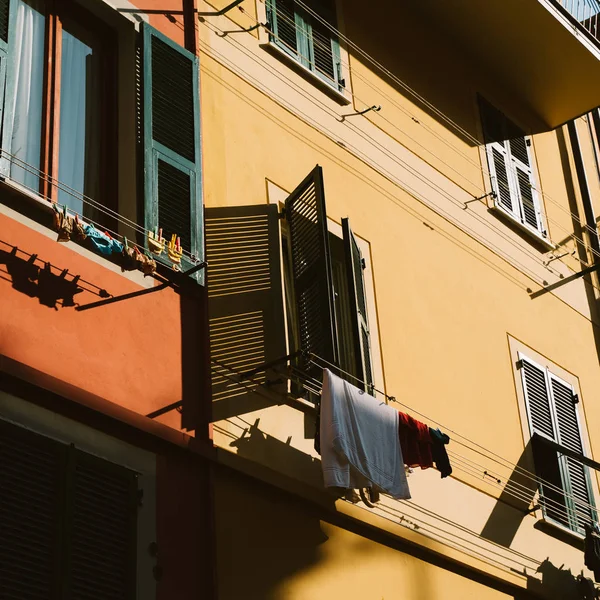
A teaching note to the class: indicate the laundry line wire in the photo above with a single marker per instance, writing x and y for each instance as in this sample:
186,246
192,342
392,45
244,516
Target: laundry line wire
481,168
413,505
521,247
85,200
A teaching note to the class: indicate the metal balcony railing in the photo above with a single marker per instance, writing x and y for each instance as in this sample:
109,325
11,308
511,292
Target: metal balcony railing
586,12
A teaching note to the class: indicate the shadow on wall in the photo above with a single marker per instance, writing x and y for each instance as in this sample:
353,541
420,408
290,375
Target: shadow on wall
52,286
560,584
282,457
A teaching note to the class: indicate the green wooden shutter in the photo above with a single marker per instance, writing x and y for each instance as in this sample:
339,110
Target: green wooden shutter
306,215
576,475
358,306
172,161
282,17
31,484
101,531
8,9
245,303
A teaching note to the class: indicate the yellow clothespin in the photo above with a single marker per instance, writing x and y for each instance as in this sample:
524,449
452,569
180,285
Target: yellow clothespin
174,251
156,242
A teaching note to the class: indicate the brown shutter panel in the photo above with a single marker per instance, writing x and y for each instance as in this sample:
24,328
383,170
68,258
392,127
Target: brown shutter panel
306,215
102,530
245,303
31,486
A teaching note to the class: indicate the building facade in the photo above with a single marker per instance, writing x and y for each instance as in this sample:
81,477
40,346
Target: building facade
203,205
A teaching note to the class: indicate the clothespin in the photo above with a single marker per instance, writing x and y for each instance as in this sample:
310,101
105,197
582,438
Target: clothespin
79,229
65,227
174,250
156,242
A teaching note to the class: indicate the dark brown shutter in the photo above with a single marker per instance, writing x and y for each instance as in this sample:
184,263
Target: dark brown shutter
245,303
358,306
31,486
102,536
306,215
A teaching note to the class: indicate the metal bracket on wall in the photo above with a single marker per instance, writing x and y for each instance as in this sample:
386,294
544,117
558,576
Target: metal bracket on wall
225,33
479,198
218,13
374,108
167,283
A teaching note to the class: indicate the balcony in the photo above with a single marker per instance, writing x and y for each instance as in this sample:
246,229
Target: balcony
544,53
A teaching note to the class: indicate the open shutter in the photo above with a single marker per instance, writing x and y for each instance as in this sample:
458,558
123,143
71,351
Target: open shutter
103,530
245,303
569,435
31,482
172,162
541,421
523,173
281,16
358,306
306,215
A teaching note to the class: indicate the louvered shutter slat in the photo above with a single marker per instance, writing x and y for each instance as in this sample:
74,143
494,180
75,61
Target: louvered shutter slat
311,267
534,380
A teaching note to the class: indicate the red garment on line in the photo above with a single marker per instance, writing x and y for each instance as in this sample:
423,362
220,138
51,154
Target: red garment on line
415,442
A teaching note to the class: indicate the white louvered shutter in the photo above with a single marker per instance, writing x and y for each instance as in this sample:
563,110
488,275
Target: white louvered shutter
569,435
498,162
522,173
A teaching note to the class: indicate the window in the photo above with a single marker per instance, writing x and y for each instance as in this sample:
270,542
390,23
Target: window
306,38
59,103
510,162
58,73
565,491
320,284
68,521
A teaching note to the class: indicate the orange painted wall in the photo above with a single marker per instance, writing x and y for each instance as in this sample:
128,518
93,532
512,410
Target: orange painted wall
128,352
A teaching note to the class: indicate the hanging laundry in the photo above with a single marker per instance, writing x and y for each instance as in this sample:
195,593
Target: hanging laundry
591,550
129,261
415,441
360,447
63,223
79,229
438,452
102,242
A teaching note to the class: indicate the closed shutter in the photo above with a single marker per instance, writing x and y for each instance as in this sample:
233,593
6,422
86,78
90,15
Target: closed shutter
172,162
102,536
569,435
8,10
306,215
245,302
358,306
522,169
31,484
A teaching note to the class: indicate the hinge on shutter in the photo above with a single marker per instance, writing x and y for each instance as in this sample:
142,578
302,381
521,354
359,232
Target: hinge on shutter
519,365
528,142
575,398
363,263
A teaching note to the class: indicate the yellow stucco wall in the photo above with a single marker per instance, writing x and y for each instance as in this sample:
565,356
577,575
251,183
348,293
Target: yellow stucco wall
449,286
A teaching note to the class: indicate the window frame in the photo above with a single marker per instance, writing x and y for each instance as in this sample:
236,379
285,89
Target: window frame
304,54
56,12
550,373
513,165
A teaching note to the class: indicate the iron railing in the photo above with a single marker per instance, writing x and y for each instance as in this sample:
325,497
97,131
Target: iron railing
586,13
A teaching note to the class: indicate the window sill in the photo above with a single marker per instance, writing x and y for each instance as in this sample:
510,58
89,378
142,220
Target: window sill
560,532
340,97
535,235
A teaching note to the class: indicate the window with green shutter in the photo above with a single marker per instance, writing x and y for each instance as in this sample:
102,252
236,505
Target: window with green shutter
510,162
172,161
68,521
305,36
565,484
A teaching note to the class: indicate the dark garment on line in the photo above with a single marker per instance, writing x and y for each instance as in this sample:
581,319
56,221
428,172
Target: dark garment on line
438,451
415,442
591,551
